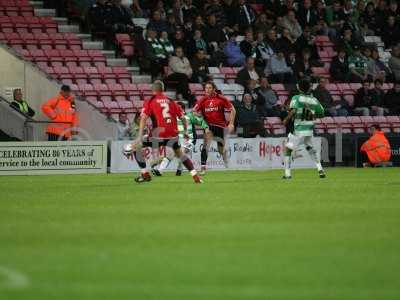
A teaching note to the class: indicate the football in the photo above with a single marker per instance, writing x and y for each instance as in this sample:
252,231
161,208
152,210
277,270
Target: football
127,149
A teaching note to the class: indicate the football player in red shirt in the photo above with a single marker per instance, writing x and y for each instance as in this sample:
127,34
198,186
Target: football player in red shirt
164,113
212,107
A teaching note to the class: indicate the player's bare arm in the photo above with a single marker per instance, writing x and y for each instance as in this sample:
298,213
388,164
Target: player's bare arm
289,117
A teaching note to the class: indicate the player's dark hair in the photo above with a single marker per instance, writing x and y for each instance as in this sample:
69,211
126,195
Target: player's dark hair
304,86
182,105
217,91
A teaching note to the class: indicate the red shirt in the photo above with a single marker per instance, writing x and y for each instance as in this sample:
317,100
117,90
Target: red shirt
213,109
163,113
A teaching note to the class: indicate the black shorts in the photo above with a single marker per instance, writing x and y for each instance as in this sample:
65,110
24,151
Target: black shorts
157,143
219,134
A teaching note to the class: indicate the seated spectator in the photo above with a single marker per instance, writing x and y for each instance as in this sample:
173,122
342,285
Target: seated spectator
307,41
264,51
189,10
286,42
267,103
378,98
292,60
376,150
263,24
248,72
214,8
391,32
234,56
157,23
20,104
307,15
380,67
199,24
347,42
199,65
248,118
394,62
155,57
339,68
97,16
358,66
369,17
279,70
366,102
248,46
172,25
372,69
303,66
335,16
120,18
179,40
251,89
333,107
166,44
197,43
214,33
391,102
244,16
123,127
181,73
290,23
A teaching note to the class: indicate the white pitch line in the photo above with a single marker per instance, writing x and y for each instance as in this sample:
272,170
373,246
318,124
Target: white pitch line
12,279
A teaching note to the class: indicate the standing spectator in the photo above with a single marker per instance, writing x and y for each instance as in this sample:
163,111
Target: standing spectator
391,32
234,56
248,118
358,66
339,68
335,108
392,100
248,72
369,17
268,100
245,16
181,73
394,62
199,65
307,15
290,23
20,104
248,46
280,71
62,111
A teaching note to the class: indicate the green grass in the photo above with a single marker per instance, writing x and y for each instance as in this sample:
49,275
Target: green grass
242,235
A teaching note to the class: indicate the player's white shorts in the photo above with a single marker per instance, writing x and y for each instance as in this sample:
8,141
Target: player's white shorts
294,141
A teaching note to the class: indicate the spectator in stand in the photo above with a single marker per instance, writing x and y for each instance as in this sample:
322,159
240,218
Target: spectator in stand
307,41
214,7
290,23
20,104
391,102
172,25
263,24
379,96
249,46
280,72
157,23
380,66
335,17
391,32
180,40
286,42
62,111
394,62
292,60
166,44
248,117
251,89
339,68
181,73
264,52
214,33
97,15
124,127
199,65
394,9
271,40
366,101
267,104
248,72
160,7
372,68
358,66
244,16
199,24
303,66
155,57
120,18
307,15
190,11
369,17
233,54
197,43
347,42
177,11
335,108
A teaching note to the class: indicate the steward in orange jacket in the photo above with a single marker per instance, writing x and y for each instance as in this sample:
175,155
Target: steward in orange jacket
61,109
377,147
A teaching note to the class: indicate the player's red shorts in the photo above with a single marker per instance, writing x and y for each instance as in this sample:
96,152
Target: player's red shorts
157,143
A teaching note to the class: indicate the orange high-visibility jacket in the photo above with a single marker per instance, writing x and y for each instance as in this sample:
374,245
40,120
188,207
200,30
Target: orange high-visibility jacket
59,109
377,148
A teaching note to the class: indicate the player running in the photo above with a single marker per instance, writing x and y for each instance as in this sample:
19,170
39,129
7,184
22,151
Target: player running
187,143
212,107
304,108
164,113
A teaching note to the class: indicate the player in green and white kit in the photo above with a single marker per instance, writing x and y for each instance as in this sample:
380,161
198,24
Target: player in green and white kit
304,108
187,142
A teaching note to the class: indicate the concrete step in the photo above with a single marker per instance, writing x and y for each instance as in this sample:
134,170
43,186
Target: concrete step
68,28
61,21
141,79
45,12
36,4
134,70
85,37
92,45
108,53
117,62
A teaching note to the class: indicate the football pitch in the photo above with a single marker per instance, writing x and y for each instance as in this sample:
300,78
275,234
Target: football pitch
241,235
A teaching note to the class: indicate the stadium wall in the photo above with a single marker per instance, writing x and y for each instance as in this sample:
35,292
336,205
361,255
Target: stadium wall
38,87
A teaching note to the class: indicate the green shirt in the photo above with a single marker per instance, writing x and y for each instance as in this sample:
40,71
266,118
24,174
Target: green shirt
358,63
306,108
192,121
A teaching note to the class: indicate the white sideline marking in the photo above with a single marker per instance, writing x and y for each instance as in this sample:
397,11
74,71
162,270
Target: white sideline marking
12,279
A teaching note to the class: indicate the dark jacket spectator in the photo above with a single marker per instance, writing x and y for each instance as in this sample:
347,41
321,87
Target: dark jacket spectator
97,16
199,65
157,23
120,18
248,118
20,104
306,14
391,32
244,16
307,41
216,9
339,68
392,100
334,108
248,46
366,101
267,104
248,72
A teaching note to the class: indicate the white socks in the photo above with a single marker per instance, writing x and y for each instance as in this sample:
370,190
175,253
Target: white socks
287,164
